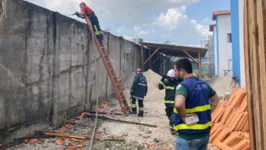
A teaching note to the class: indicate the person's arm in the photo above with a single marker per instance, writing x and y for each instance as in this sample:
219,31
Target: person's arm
83,12
133,84
146,89
180,100
214,99
180,105
161,84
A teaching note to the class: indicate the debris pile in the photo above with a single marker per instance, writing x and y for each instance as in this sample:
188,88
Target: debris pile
230,123
152,77
114,131
222,85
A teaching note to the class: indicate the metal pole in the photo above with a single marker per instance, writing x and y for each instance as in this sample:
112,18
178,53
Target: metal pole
142,58
199,64
151,60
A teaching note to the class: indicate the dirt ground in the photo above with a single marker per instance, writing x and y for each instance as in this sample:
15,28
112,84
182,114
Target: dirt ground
136,137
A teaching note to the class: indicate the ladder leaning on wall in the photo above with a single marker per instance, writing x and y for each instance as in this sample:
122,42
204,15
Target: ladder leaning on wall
110,70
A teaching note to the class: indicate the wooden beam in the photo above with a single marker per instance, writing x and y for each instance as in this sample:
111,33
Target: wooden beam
199,64
142,57
260,39
152,55
252,137
150,61
255,73
190,56
255,68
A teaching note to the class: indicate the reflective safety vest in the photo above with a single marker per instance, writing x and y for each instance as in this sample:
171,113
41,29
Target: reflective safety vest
197,102
170,87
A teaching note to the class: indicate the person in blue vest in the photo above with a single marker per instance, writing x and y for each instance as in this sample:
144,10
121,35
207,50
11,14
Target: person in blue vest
169,83
138,91
194,102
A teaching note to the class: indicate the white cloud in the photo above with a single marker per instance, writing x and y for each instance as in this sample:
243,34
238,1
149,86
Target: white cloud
202,29
121,30
142,33
136,28
171,18
180,1
139,32
152,20
206,20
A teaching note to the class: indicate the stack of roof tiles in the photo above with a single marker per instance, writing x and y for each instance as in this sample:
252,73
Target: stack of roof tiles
230,123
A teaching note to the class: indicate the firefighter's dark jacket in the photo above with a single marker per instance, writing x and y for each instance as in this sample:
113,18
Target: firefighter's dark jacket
170,87
139,87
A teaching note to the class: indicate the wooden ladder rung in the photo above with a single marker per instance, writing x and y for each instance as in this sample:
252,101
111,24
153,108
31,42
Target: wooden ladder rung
109,68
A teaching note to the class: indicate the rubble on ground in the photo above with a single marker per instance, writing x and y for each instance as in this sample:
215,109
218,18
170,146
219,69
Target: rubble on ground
136,137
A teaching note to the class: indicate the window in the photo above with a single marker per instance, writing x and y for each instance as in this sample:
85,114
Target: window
229,38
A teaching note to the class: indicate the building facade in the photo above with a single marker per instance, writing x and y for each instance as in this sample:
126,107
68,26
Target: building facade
222,43
237,23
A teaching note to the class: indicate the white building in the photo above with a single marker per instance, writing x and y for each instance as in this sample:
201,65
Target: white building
237,25
222,46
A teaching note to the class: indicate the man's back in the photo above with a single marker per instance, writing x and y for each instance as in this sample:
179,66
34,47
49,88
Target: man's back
139,87
196,93
193,109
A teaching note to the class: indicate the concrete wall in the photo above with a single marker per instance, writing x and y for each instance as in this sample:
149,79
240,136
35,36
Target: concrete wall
224,48
49,67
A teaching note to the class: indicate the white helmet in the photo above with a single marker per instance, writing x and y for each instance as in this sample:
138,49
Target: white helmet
171,73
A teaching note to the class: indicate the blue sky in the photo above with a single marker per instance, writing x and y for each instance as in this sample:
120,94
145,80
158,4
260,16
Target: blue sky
204,8
181,22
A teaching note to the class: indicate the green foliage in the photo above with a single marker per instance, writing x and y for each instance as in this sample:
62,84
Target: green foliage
108,144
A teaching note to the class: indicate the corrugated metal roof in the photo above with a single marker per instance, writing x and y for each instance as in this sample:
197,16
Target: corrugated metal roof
177,50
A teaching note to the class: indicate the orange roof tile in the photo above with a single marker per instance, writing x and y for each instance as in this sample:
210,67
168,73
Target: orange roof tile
221,12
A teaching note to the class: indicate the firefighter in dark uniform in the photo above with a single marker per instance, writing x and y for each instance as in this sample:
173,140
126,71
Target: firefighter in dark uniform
169,83
85,10
138,92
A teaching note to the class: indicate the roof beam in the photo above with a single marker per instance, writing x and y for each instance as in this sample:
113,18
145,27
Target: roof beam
177,50
151,56
190,56
142,57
